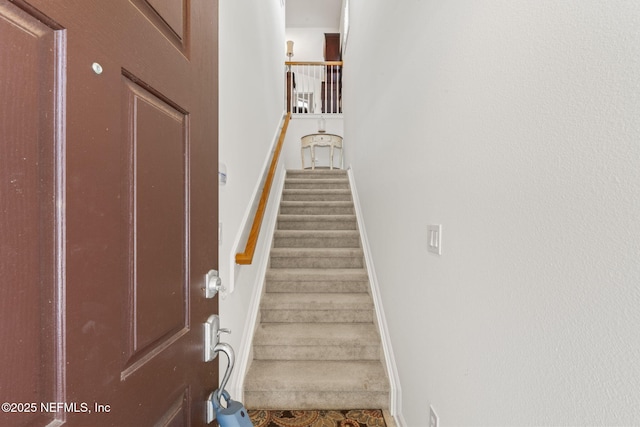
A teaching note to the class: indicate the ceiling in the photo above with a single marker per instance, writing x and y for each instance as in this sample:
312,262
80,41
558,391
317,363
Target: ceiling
313,13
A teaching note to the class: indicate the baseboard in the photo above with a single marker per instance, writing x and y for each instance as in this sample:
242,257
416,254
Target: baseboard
394,378
400,421
236,385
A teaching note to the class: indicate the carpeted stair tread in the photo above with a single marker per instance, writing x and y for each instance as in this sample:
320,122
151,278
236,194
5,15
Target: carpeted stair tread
316,203
317,301
320,280
319,183
317,286
315,252
316,258
310,315
316,239
316,341
340,207
317,218
317,222
315,274
318,180
307,194
313,375
317,173
329,180
316,233
319,334
311,384
317,352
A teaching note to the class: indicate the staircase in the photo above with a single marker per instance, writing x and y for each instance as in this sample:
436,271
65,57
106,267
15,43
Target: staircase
316,346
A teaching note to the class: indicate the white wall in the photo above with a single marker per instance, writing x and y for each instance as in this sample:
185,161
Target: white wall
251,37
515,125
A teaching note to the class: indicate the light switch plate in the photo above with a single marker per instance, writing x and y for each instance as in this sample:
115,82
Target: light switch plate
434,238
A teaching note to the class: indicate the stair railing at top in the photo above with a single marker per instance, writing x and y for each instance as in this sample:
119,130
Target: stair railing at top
246,257
313,87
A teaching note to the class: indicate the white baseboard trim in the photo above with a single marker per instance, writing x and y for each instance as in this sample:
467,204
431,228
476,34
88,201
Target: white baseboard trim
395,403
236,384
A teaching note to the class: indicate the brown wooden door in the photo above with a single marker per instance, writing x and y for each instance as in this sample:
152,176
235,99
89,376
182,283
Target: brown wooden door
108,210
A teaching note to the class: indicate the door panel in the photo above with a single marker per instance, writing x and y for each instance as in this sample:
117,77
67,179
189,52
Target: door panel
178,415
109,208
172,12
29,288
170,17
156,147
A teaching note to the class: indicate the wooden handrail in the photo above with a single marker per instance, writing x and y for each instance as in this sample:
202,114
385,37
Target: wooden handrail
313,63
246,257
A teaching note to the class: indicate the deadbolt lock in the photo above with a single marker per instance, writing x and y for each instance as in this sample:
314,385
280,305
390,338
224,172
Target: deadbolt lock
212,284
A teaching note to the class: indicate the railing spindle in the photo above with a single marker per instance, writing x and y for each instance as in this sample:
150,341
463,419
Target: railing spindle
317,86
333,89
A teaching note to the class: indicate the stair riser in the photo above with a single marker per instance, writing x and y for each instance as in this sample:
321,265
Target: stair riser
317,210
316,197
317,175
312,185
317,316
328,352
318,179
315,287
279,399
328,262
317,242
318,276
316,225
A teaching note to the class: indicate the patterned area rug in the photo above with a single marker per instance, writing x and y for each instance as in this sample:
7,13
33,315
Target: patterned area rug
347,418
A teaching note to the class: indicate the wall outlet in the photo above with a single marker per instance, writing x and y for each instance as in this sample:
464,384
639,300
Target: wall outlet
433,418
434,238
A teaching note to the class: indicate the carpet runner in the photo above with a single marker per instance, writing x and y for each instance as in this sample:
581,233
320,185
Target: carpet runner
317,344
